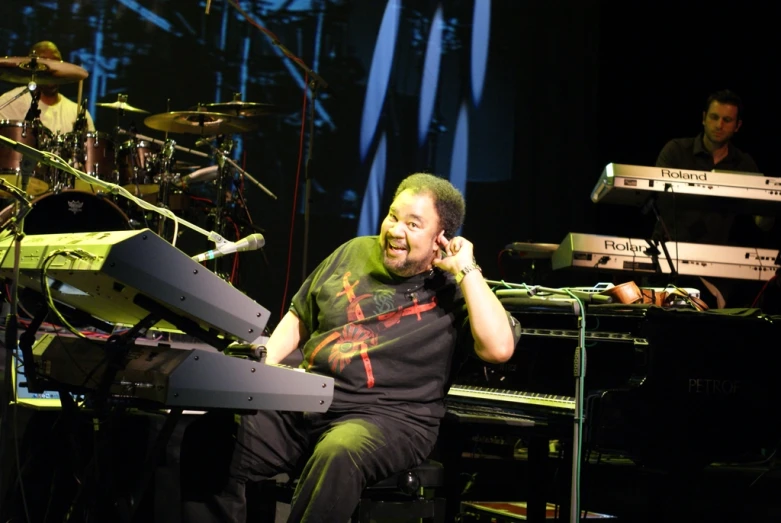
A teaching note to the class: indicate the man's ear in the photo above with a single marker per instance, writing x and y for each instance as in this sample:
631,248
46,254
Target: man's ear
441,242
737,127
703,117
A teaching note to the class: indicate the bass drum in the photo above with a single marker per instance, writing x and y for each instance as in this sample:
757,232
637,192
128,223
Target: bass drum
74,211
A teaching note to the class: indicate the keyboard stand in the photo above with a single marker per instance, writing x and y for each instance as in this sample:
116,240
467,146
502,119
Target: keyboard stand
653,249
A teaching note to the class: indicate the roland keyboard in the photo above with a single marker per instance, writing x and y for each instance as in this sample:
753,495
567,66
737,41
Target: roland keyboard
738,192
590,251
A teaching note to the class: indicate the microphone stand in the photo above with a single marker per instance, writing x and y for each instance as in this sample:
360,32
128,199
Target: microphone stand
226,144
316,81
16,226
222,157
308,181
576,299
31,88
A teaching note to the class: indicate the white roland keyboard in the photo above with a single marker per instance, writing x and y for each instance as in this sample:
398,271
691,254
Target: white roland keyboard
739,192
613,253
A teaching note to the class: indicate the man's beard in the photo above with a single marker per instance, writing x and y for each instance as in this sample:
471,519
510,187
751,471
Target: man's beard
405,268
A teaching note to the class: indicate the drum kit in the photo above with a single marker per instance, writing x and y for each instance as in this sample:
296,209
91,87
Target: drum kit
147,167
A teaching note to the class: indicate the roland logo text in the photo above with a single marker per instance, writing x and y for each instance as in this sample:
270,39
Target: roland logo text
683,175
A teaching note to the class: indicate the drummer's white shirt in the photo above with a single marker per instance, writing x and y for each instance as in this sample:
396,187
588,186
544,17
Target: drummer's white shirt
58,118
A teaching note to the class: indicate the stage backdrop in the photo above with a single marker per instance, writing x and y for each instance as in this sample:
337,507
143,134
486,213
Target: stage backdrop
520,104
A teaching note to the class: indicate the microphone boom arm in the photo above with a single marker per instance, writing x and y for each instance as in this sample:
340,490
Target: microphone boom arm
244,173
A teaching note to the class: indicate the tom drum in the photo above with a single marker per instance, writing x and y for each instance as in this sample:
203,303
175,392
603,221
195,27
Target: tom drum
33,135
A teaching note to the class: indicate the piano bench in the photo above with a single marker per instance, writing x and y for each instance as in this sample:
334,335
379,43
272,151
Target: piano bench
404,496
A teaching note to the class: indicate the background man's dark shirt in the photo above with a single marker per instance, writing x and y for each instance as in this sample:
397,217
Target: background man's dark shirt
709,227
690,153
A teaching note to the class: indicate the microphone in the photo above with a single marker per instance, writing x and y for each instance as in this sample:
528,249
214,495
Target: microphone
249,243
204,174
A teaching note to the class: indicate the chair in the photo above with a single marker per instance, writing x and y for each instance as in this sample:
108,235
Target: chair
408,494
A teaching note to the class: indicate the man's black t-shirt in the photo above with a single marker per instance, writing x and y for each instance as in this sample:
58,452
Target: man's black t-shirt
388,342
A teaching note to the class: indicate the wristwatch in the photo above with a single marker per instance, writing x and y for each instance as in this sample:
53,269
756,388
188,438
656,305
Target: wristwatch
466,270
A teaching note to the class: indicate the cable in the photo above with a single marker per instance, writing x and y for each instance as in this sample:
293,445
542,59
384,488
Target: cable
47,290
295,201
762,291
201,199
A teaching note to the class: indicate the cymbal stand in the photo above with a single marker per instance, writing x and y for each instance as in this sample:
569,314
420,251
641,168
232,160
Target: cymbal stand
166,159
221,184
34,113
139,136
74,143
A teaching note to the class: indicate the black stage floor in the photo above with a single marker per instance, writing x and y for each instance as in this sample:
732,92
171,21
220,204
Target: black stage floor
746,492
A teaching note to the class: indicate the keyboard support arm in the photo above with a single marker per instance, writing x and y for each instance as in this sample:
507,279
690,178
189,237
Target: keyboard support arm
650,205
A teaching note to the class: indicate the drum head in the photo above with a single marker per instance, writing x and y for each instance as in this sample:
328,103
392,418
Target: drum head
74,211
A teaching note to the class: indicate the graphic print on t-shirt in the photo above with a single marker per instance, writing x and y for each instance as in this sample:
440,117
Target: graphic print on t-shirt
355,337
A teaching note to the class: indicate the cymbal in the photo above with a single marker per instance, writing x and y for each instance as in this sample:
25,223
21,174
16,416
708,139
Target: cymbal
122,106
198,122
20,70
238,108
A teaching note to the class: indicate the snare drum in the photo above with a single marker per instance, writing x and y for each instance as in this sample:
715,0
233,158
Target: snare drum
139,167
33,135
74,211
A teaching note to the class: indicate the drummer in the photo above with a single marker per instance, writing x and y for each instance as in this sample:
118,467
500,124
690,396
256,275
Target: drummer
58,113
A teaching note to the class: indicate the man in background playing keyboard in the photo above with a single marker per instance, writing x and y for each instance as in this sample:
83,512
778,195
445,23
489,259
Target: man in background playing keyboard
383,316
712,149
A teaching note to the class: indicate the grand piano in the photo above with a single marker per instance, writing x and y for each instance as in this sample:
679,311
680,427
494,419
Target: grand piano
672,389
